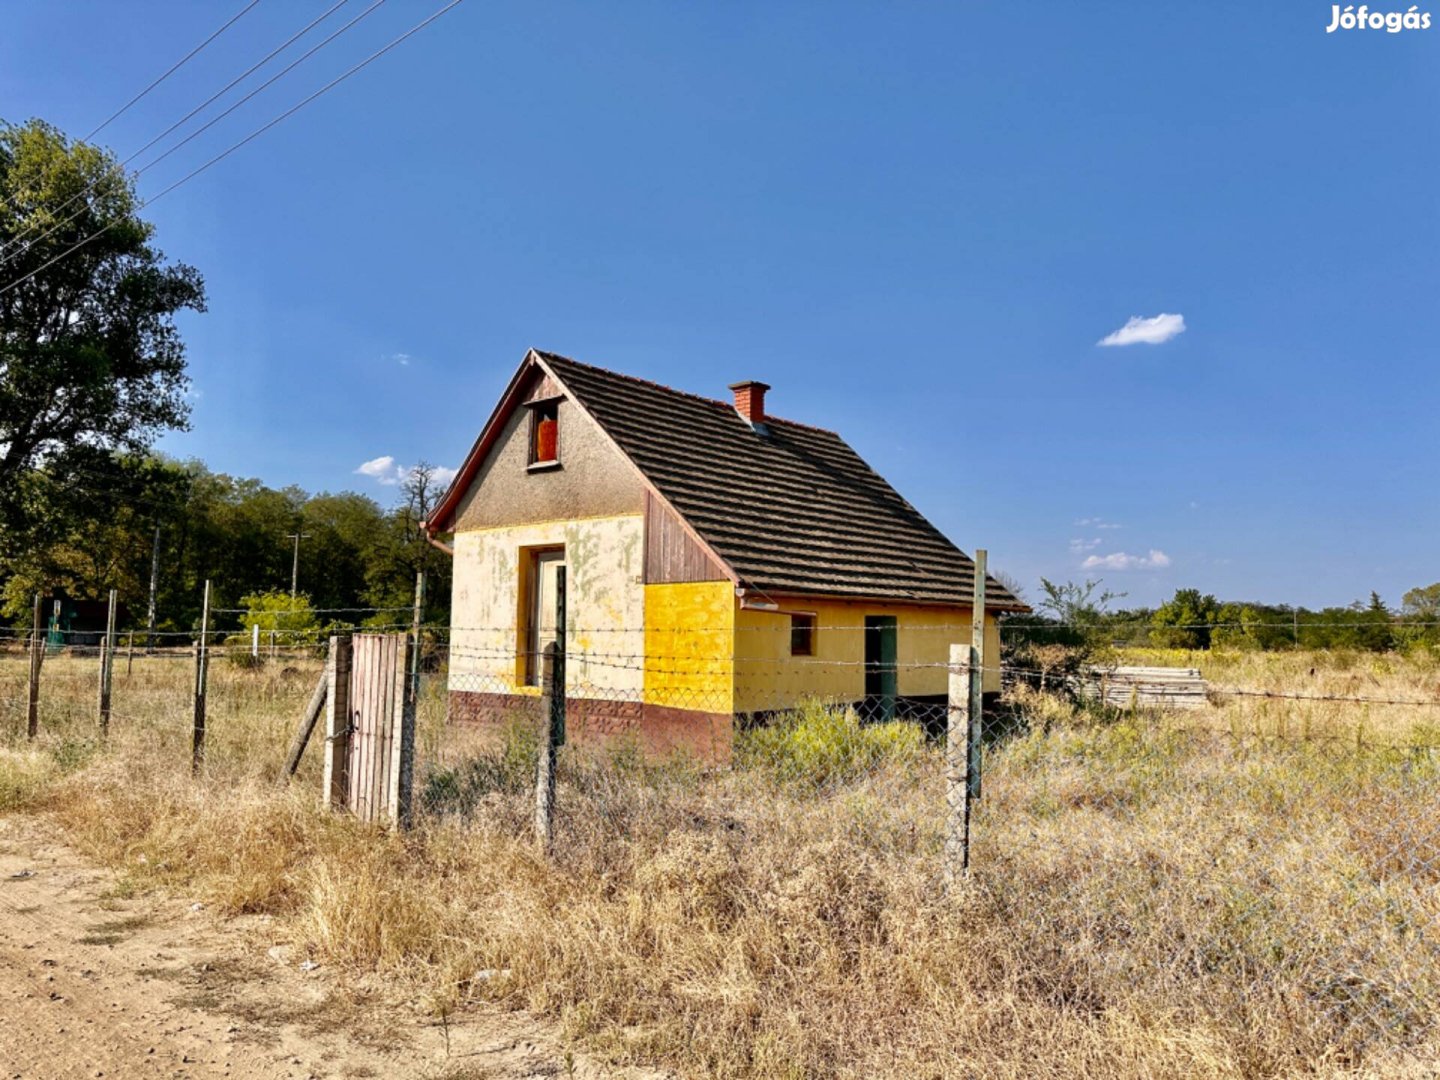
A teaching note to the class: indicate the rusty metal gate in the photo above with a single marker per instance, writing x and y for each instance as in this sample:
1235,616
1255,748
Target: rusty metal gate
370,728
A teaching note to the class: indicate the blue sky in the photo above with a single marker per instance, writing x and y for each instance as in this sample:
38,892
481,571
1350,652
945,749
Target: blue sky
915,221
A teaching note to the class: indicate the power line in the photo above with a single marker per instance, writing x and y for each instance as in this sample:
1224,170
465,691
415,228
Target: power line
213,120
236,146
174,68
90,188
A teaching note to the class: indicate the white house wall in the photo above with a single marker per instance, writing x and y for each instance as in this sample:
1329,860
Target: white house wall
605,604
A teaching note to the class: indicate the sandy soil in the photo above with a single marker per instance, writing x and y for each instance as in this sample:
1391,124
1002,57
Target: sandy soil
94,983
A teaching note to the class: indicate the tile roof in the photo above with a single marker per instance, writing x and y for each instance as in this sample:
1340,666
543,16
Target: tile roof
793,511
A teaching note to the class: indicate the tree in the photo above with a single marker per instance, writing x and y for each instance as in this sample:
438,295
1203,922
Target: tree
89,535
91,362
406,550
1185,620
1420,616
1067,614
1376,631
282,618
1073,603
1422,604
1253,626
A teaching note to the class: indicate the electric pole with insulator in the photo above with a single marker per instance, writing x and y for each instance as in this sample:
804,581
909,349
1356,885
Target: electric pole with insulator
295,565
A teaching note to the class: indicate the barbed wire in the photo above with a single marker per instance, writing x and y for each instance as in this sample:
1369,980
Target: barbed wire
959,627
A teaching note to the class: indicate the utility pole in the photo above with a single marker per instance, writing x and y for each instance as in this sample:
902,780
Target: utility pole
154,585
295,566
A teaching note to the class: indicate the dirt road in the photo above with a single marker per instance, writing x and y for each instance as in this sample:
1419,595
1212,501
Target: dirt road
95,984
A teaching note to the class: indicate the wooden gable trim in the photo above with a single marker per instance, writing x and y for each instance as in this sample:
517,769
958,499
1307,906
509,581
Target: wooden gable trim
671,556
545,389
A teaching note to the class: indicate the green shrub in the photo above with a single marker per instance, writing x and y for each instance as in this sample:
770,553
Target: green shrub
819,744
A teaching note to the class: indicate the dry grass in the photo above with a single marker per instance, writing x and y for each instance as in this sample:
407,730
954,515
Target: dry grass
1150,897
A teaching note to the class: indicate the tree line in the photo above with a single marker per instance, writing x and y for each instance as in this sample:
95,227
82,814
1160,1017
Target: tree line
90,532
1085,613
92,370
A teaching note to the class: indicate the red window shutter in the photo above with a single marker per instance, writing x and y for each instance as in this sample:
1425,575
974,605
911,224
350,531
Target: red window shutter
546,435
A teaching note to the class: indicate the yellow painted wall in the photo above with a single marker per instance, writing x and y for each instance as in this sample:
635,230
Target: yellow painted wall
689,636
701,651
768,677
605,604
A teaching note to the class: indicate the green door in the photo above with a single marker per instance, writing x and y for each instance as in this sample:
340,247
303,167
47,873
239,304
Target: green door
880,681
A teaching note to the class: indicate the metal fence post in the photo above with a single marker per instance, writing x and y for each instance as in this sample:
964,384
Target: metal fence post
107,666
197,750
552,695
37,657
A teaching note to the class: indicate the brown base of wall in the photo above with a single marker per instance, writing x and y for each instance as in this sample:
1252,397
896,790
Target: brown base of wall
659,730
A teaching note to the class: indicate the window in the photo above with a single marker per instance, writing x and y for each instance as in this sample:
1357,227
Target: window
802,635
545,432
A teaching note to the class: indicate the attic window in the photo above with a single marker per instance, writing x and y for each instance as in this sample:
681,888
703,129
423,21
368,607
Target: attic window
545,432
802,635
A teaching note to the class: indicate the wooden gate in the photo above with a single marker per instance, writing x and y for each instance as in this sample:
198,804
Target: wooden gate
370,728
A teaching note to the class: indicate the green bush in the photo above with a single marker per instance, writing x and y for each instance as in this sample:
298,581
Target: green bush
819,744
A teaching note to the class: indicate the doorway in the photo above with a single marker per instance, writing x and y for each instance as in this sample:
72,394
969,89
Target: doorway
880,678
544,612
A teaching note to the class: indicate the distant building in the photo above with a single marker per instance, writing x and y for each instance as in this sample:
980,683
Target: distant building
77,623
718,562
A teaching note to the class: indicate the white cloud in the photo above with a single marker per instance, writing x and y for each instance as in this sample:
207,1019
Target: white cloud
1080,545
1152,331
381,468
1120,560
403,359
1096,523
385,470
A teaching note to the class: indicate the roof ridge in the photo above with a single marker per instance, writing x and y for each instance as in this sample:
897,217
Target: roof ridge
718,402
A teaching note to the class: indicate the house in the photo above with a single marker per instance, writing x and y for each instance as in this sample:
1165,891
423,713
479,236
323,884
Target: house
716,563
78,623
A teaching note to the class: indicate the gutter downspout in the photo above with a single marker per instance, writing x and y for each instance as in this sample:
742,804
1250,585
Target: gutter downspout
436,544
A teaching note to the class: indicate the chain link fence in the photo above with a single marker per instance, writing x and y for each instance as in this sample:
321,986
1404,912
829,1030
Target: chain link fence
1270,859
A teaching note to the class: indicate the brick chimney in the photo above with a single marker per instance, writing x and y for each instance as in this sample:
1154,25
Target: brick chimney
750,400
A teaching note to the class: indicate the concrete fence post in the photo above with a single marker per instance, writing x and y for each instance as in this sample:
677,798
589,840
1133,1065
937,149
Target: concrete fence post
552,698
964,732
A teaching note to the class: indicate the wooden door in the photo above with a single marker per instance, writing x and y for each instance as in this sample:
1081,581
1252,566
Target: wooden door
545,588
376,705
881,650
